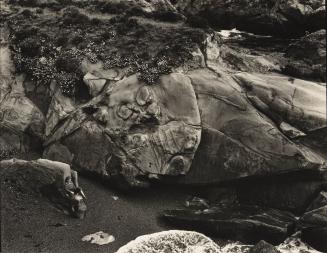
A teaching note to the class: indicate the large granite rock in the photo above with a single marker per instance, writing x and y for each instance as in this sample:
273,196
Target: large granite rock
138,131
248,224
299,103
241,134
150,130
174,241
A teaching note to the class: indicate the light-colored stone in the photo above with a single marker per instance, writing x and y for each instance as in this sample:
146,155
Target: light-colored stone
174,241
94,83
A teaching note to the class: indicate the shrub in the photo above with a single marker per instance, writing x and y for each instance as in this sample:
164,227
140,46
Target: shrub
113,8
30,46
67,62
72,16
8,153
27,13
136,11
67,83
61,40
167,16
25,32
96,21
77,39
197,22
27,3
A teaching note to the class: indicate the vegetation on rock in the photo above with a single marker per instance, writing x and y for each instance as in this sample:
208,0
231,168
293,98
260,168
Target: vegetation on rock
54,50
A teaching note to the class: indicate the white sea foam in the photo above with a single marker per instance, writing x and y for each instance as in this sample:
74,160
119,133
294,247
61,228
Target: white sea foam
227,33
99,238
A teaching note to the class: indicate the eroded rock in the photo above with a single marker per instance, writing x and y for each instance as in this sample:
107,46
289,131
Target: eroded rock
307,57
244,223
175,241
55,180
151,130
239,140
94,83
292,191
316,237
283,18
263,247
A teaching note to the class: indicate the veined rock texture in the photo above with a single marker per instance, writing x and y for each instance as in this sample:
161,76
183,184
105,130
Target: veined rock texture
224,95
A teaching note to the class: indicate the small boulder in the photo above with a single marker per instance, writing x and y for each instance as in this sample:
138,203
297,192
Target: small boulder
94,83
316,237
319,201
263,247
248,224
173,241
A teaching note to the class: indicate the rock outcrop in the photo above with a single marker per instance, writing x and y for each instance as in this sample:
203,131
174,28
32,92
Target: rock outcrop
307,57
150,130
314,222
173,241
21,121
242,125
55,180
263,247
136,92
284,17
248,224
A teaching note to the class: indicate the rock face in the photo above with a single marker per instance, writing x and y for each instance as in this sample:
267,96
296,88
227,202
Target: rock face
247,123
284,17
248,224
55,180
134,100
316,237
209,118
263,247
174,241
307,57
314,221
21,121
151,130
241,125
292,192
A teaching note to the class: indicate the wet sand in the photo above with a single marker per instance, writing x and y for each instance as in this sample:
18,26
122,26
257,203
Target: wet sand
32,224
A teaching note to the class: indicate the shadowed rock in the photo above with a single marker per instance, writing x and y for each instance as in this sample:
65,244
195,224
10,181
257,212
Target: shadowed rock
152,130
316,237
263,247
55,180
307,57
240,222
283,18
137,130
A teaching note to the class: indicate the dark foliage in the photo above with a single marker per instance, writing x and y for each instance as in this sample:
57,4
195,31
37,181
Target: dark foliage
72,16
197,22
167,16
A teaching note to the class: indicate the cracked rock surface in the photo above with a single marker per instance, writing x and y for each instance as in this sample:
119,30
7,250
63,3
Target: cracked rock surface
149,93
